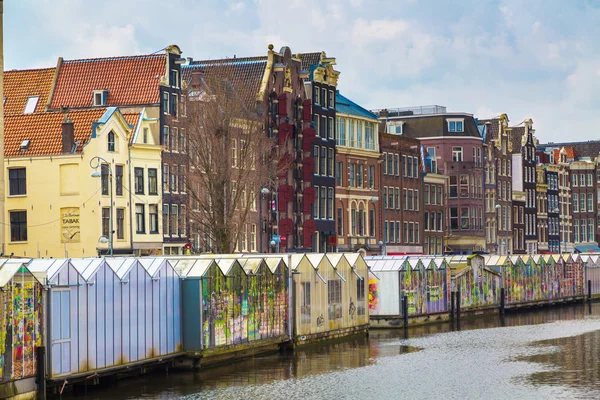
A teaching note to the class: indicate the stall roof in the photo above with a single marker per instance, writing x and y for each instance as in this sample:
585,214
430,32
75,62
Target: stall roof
297,259
378,264
414,262
183,265
86,267
335,258
537,257
46,269
492,260
226,264
153,264
593,259
121,266
199,268
550,257
9,267
251,265
514,259
316,259
440,262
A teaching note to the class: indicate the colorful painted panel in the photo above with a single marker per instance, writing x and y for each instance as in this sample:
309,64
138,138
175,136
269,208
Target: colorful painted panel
20,326
478,287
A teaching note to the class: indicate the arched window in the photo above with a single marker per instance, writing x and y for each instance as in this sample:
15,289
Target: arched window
111,141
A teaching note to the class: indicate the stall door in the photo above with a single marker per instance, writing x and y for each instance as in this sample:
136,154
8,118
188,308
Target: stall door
61,332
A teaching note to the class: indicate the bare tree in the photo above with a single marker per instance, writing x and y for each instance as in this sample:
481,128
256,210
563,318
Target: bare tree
231,155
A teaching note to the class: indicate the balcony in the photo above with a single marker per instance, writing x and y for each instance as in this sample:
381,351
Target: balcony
461,166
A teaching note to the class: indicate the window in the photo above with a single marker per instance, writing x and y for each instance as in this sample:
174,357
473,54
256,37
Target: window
338,173
165,137
174,78
351,176
427,194
334,298
111,141
453,186
174,223
152,181
323,161
182,178
100,97
575,201
385,168
591,230
305,316
105,221
576,230
234,153
17,182
330,158
31,105
18,226
454,218
253,237
166,219
324,97
340,221
104,179
457,154
330,128
397,198
360,291
165,102
410,166
138,174
353,221
359,175
316,99
464,218
119,180
329,203
405,232
464,186
316,203
145,135
371,223
369,136
582,202
174,171
322,199
404,166
153,213
341,131
165,178
317,155
140,218
590,202
574,177
173,140
455,125
589,180
120,223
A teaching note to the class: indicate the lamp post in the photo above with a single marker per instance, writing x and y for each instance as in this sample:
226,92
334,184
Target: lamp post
96,162
263,191
383,243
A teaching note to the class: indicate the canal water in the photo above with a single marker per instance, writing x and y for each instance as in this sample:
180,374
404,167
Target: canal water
543,354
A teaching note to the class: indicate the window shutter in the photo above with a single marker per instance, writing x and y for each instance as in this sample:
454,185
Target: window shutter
307,111
282,104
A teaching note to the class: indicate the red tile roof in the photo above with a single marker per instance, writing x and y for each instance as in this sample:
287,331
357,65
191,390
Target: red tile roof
22,84
132,119
132,80
44,131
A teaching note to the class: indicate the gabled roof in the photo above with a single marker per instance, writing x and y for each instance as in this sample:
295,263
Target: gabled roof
9,267
44,131
130,80
516,137
309,59
19,85
244,74
46,269
346,106
492,128
591,148
436,125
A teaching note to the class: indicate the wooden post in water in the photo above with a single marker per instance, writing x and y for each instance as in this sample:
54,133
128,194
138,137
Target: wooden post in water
452,300
501,301
589,284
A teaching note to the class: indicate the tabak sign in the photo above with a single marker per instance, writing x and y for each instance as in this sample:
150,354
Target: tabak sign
70,231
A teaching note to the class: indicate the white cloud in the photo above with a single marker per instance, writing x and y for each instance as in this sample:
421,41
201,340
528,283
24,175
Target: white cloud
365,32
235,7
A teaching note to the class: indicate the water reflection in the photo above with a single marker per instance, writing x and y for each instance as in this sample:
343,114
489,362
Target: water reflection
541,353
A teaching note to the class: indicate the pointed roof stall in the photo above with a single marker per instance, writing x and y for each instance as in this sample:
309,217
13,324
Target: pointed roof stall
340,265
10,266
199,268
155,264
516,260
550,258
457,263
87,267
378,264
121,265
413,263
440,263
322,265
538,259
46,270
357,263
491,260
428,263
593,260
183,265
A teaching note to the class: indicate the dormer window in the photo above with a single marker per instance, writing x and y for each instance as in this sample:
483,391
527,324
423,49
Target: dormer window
395,127
456,125
31,105
25,145
100,97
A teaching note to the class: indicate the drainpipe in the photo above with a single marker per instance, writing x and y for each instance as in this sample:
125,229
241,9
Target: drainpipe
131,209
291,309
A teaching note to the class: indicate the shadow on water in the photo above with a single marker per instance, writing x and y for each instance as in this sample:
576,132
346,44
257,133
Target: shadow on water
577,363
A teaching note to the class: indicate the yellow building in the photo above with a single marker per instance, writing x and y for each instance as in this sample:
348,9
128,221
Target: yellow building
54,207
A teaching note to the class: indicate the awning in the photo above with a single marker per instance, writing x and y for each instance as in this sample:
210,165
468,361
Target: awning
587,248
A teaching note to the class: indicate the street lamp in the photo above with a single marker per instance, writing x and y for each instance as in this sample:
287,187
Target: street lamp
96,162
498,207
263,192
383,243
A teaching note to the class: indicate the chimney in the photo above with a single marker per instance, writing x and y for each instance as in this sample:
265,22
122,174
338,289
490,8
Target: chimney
68,136
196,81
383,113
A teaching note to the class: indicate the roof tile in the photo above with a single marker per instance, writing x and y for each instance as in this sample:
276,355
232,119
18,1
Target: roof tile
44,131
19,85
132,80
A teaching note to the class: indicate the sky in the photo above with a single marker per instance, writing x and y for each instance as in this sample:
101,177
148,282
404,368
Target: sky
536,59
